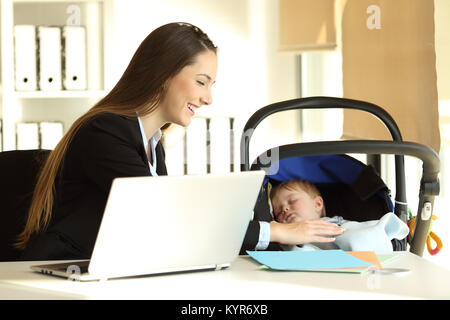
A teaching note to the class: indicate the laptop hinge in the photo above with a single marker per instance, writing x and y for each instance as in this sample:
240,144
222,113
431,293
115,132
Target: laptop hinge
222,266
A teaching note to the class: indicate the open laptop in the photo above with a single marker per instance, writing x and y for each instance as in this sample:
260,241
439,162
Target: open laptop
164,224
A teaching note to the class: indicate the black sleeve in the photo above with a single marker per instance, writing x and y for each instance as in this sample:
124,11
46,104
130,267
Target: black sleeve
261,213
251,237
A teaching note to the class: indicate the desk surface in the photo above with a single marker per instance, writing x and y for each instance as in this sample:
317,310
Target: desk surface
243,280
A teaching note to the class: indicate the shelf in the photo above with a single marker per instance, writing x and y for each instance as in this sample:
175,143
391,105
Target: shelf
62,105
54,1
94,94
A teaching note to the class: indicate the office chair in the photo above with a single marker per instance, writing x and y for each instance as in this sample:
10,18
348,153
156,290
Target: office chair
18,174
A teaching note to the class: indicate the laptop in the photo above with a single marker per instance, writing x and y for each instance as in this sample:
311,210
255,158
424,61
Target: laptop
165,224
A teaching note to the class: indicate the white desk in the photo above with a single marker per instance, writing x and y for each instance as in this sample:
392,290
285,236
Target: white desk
243,280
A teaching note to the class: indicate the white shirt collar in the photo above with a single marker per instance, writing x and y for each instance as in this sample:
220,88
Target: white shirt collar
153,141
157,136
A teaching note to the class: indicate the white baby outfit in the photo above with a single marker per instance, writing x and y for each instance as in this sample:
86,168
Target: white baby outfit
374,235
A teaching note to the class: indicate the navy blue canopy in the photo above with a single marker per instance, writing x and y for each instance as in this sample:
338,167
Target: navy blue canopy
318,169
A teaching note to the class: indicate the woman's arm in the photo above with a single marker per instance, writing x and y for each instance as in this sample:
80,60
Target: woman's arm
291,233
304,232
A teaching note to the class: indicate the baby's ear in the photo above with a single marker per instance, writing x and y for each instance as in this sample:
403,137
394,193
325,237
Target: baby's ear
318,203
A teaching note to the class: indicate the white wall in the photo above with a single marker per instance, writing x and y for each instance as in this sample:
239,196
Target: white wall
322,76
251,72
442,45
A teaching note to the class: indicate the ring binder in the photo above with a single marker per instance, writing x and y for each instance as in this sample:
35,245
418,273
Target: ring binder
50,134
25,57
49,58
27,135
74,57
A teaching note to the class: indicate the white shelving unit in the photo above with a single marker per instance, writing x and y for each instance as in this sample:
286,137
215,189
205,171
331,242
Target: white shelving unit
64,106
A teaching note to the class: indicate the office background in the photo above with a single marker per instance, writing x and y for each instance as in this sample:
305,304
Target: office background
252,73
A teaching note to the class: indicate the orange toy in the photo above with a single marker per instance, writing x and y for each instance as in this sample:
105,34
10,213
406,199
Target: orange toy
431,235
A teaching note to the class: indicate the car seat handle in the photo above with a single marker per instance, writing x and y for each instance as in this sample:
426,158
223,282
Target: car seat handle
325,103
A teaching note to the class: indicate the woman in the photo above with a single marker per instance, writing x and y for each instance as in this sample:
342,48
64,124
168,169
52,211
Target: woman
168,79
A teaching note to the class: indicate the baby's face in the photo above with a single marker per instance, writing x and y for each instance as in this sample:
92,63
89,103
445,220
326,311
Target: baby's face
296,206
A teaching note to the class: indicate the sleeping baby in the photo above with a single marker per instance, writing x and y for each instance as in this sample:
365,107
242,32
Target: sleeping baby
299,200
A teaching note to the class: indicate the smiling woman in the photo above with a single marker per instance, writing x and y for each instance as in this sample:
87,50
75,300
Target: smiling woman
168,78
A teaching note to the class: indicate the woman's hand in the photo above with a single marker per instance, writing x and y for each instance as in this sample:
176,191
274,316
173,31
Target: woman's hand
304,232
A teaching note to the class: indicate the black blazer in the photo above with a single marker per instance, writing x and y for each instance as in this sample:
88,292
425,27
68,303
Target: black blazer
106,147
261,213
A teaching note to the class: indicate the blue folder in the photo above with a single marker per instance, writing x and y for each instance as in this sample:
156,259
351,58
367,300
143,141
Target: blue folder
307,260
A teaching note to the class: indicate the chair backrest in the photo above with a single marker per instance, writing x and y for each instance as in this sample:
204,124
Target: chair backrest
18,174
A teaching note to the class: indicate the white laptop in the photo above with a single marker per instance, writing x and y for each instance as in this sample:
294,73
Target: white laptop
154,225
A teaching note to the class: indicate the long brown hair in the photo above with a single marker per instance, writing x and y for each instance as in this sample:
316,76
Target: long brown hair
162,54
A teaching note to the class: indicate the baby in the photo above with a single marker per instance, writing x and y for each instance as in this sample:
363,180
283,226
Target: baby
295,201
299,200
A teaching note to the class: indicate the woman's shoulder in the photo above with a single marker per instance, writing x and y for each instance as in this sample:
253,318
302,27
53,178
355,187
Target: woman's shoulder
108,119
107,126
111,122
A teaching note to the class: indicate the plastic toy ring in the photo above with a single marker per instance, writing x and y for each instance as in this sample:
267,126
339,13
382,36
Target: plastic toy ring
438,242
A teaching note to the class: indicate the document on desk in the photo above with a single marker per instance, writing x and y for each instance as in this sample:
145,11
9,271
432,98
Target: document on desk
317,261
